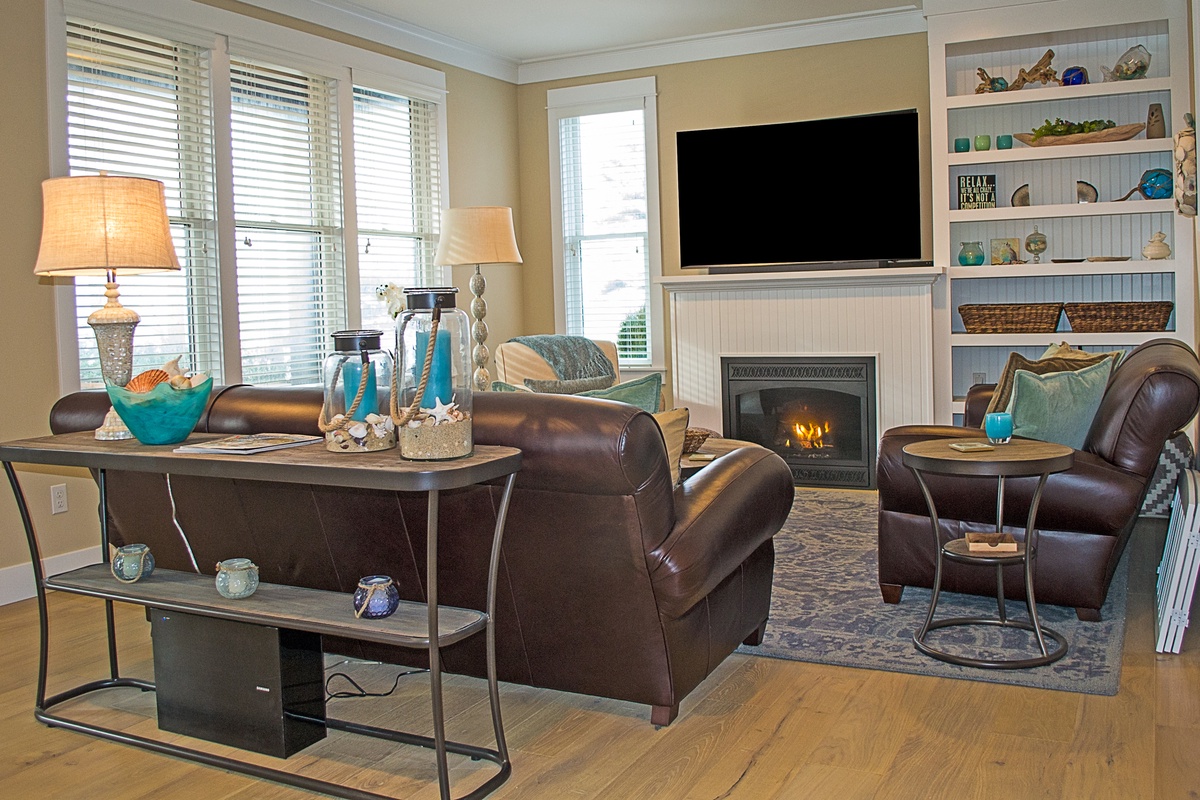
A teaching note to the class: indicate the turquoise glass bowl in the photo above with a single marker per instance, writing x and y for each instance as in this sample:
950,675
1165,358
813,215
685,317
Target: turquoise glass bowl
162,415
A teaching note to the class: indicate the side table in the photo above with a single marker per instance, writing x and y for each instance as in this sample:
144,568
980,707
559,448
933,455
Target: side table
1018,458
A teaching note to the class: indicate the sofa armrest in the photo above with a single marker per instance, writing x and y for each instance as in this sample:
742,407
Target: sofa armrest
722,514
978,397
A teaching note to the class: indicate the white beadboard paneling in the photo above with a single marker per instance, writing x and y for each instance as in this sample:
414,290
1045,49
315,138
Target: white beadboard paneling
892,323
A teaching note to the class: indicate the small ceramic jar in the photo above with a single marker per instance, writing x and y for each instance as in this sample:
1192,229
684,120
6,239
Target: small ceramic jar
237,578
132,562
376,597
1157,248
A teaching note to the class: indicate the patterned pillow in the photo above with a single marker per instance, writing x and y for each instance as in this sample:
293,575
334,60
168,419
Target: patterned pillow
569,386
644,392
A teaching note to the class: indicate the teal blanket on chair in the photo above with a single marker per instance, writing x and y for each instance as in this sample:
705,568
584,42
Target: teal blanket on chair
579,364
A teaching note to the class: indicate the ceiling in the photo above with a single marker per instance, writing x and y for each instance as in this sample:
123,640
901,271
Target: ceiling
524,30
493,36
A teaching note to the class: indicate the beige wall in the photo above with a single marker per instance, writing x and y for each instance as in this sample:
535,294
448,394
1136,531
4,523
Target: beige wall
808,83
483,171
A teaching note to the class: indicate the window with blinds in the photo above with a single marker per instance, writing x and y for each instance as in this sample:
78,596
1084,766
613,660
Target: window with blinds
604,195
140,105
143,105
397,184
605,261
288,212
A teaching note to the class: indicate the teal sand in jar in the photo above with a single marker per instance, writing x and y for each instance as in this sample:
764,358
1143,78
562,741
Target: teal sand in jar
971,254
132,562
237,578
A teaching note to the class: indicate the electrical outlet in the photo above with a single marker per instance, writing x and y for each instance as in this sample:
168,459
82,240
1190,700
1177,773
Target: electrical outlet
978,377
58,498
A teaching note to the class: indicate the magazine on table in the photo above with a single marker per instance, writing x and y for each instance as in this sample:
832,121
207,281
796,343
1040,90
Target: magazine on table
247,444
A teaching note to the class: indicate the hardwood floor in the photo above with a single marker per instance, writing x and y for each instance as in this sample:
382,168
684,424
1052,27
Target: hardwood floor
758,728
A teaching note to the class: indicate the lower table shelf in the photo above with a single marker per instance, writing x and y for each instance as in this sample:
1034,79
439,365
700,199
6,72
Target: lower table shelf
291,607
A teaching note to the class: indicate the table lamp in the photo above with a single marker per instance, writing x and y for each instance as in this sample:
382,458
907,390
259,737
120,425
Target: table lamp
101,225
478,235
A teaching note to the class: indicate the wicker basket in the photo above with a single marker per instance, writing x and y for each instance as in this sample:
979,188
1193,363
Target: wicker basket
1103,317
693,438
1011,317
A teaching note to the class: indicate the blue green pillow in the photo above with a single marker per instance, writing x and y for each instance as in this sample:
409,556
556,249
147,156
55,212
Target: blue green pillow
1058,406
642,392
501,386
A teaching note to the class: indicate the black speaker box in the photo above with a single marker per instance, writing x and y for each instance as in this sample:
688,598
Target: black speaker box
248,686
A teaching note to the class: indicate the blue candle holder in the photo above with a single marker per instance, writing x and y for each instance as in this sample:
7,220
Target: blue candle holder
999,427
376,597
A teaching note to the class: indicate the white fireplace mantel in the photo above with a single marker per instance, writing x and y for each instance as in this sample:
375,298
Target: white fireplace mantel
886,313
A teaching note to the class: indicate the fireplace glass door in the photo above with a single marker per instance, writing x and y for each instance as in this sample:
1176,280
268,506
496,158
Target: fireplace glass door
818,413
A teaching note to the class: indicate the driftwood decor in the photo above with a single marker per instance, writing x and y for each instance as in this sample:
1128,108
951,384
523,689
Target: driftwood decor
1039,72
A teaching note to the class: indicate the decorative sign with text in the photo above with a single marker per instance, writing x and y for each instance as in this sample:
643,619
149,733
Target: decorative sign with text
976,191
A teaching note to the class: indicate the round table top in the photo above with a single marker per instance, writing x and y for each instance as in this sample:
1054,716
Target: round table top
1018,457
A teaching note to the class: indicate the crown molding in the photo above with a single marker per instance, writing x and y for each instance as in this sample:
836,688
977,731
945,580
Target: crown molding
829,30
349,17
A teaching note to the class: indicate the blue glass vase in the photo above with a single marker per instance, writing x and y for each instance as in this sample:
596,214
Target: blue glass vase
237,578
376,597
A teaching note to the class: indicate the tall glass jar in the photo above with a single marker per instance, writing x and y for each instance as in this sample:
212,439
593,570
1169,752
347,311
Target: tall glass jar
433,413
356,416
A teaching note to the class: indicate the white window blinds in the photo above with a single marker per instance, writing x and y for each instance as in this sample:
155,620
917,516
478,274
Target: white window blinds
604,225
398,194
287,208
261,226
604,201
139,105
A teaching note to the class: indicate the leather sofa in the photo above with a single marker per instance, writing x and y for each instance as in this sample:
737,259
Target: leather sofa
613,582
1086,513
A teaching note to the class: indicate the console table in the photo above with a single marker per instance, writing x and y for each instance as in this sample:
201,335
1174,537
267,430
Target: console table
425,626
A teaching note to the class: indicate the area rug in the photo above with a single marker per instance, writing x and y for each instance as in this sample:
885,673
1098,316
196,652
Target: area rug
826,609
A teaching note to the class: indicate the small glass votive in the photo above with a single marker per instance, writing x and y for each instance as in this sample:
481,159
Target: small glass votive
962,145
1004,142
983,142
999,427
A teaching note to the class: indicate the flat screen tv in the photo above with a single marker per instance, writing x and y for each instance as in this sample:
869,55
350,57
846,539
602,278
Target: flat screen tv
840,192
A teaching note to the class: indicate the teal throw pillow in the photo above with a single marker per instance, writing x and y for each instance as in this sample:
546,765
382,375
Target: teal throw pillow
643,392
1058,406
501,386
574,386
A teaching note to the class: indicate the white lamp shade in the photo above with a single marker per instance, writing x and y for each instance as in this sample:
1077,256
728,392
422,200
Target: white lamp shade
95,224
477,235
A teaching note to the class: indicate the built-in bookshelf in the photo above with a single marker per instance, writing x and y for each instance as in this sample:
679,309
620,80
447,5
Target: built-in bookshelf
1056,177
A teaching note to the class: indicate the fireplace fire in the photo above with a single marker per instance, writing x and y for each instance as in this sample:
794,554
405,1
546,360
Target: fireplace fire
817,413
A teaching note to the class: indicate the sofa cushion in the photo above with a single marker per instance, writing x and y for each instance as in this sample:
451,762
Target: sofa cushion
1058,406
573,386
1003,392
673,425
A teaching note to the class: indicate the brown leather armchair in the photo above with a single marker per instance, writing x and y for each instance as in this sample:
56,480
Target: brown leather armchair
1086,513
613,582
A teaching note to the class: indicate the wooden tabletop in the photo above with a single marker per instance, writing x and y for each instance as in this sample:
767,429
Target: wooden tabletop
1018,457
382,469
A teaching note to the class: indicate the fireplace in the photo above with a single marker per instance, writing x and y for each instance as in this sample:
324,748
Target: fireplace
817,412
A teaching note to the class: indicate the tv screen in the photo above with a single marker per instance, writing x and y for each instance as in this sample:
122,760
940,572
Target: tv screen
812,192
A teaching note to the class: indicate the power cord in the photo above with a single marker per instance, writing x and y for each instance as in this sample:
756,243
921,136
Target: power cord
359,691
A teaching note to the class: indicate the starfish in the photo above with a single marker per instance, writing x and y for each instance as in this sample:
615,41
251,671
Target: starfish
441,412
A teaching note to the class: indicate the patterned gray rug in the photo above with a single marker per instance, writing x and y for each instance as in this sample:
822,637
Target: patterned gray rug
826,609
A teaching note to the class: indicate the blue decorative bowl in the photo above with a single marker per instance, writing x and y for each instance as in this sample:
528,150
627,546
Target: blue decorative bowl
376,597
162,415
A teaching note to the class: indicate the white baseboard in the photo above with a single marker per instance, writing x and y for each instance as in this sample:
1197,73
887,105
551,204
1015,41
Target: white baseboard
16,582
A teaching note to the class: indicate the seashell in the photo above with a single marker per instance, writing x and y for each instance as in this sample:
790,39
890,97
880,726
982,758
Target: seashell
357,430
145,381
180,382
172,367
198,378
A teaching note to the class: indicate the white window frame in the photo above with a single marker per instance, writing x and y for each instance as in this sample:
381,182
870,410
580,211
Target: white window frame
600,98
224,32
